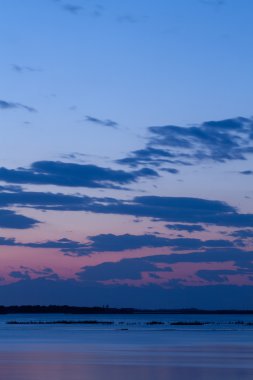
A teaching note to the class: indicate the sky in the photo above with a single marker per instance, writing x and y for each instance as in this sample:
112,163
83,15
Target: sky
126,153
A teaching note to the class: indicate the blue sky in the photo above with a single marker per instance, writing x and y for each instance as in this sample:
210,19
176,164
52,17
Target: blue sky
126,139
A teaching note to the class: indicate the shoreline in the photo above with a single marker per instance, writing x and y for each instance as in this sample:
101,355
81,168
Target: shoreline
65,309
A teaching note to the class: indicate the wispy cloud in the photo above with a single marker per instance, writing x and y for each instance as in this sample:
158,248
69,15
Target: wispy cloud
217,141
6,105
73,175
71,8
120,243
179,210
246,172
162,265
104,123
22,69
186,227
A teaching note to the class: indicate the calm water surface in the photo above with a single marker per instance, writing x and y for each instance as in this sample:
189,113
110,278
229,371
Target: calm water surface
128,349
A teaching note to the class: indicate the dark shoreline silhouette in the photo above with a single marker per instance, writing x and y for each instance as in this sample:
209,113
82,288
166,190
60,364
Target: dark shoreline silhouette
65,309
108,323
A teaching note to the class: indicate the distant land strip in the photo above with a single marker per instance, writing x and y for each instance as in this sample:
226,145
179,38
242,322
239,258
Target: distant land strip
65,309
151,323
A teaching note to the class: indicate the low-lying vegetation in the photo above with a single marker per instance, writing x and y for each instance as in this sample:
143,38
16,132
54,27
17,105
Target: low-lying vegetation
63,322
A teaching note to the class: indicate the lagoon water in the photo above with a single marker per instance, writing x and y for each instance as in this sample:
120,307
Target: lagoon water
133,347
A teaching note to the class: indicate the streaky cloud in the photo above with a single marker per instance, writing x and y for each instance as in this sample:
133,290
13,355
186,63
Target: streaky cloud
163,209
216,141
246,172
186,227
5,105
103,123
118,243
21,69
73,175
71,8
244,234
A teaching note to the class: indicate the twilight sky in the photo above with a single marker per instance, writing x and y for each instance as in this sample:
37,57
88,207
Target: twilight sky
126,153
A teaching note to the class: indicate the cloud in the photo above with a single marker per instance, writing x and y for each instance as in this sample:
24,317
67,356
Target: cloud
47,201
170,209
71,8
11,188
178,209
170,170
21,69
4,105
103,123
73,175
186,227
246,172
213,140
244,234
118,243
111,242
124,269
149,155
26,273
165,272
9,219
218,141
95,9
219,275
242,259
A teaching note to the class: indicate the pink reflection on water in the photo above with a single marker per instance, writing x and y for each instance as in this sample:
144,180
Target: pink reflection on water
86,366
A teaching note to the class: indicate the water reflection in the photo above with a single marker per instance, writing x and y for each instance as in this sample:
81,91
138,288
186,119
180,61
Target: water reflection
214,351
76,366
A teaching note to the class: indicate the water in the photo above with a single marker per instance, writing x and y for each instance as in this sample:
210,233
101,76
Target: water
129,348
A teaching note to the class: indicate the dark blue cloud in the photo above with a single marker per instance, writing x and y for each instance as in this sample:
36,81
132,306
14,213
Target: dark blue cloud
26,273
186,227
246,172
4,105
179,209
9,219
132,268
221,275
118,243
242,259
152,156
170,170
74,175
110,242
11,188
219,141
46,201
169,209
214,140
103,123
119,270
244,234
